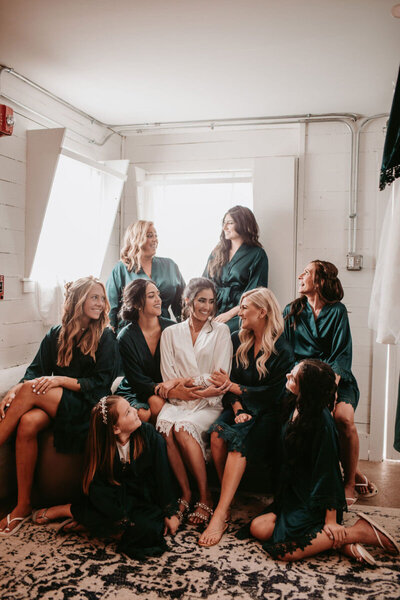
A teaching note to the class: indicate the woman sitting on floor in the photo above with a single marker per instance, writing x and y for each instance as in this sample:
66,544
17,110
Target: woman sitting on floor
305,517
139,347
73,368
127,488
190,352
317,326
246,430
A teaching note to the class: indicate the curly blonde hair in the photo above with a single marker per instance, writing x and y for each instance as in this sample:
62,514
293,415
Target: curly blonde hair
76,293
134,239
261,297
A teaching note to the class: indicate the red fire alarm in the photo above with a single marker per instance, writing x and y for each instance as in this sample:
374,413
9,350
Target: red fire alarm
6,120
1,287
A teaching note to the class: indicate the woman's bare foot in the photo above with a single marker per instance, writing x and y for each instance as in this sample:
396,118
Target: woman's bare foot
216,528
18,513
364,487
42,516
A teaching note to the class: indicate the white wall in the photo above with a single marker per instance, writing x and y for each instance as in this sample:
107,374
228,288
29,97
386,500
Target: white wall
20,326
323,194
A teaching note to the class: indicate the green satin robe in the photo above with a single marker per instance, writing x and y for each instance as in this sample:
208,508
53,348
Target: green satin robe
141,368
306,490
256,439
71,423
138,505
247,270
327,338
165,274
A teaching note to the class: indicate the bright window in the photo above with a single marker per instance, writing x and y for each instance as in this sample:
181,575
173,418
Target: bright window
187,210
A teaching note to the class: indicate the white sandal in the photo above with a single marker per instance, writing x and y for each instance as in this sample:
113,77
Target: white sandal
367,484
381,530
363,554
6,532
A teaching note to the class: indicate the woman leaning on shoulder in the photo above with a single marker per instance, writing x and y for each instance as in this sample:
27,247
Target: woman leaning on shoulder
237,264
138,260
74,367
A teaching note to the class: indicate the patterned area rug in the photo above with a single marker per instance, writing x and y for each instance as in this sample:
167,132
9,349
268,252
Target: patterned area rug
37,563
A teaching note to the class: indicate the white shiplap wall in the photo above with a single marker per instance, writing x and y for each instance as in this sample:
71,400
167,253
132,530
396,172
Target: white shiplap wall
20,326
323,195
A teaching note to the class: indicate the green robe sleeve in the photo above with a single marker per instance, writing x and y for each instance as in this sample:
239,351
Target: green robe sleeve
166,498
114,288
105,367
258,272
327,490
43,363
340,356
132,361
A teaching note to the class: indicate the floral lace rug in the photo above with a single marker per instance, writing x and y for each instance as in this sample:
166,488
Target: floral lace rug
39,564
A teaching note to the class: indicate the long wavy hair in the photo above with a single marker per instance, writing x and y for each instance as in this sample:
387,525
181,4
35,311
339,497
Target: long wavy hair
194,287
246,226
327,285
261,297
101,443
76,293
317,389
134,299
134,239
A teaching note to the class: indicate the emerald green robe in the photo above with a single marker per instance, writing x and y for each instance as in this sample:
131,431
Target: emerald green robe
255,439
327,338
306,490
165,274
247,270
71,422
141,368
138,505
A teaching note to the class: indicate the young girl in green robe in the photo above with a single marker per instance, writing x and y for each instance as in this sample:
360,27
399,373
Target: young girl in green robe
237,264
305,517
127,488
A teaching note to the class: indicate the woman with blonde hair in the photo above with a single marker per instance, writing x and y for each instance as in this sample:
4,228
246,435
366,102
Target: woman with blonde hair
247,428
74,367
237,264
138,260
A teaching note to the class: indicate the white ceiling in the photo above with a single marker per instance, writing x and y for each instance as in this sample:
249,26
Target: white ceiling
136,61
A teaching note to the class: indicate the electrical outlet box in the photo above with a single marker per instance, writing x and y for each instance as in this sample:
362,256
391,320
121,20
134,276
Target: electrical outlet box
354,262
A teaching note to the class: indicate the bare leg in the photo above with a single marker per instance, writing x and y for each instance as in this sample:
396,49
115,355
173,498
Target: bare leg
219,453
234,468
45,515
178,466
262,527
26,448
156,403
144,414
194,458
349,445
24,401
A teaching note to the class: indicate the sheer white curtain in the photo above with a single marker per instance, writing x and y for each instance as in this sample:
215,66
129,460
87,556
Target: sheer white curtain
384,311
187,210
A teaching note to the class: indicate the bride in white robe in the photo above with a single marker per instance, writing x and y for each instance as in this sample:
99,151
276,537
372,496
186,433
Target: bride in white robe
190,352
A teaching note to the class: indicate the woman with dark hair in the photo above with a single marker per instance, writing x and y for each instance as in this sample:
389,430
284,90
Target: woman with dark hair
237,264
190,352
305,517
74,367
138,260
127,487
246,430
139,347
317,326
